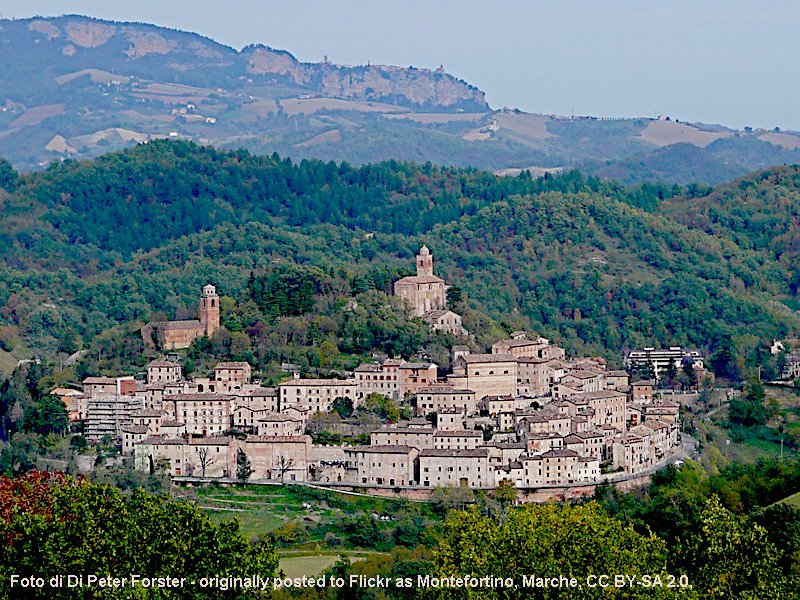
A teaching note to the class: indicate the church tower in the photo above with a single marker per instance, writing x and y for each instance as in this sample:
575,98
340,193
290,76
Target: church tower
209,309
424,262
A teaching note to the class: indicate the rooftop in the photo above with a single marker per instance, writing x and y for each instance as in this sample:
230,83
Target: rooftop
415,279
315,382
175,325
442,453
382,449
162,363
487,358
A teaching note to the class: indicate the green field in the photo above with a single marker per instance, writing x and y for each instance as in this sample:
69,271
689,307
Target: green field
315,519
793,500
311,565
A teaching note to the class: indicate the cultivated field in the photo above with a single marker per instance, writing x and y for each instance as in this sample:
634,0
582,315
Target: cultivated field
666,133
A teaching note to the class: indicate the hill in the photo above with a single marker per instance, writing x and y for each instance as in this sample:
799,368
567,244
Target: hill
75,87
92,247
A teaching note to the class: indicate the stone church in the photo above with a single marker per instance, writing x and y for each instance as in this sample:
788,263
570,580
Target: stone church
426,296
424,291
175,335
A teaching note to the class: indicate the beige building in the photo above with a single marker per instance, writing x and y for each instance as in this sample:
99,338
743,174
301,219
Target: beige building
606,407
520,346
382,465
464,439
259,398
450,419
587,443
423,292
445,321
210,457
557,467
279,425
154,451
231,376
616,380
533,378
393,435
631,452
163,371
456,468
546,421
203,414
317,395
435,398
486,374
494,405
285,458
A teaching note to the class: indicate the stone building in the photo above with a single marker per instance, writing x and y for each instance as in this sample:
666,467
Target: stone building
471,468
415,376
436,397
174,335
154,450
557,467
315,394
424,292
533,377
382,465
464,439
163,371
520,346
283,458
486,374
203,414
210,457
379,378
446,321
279,425
392,435
231,376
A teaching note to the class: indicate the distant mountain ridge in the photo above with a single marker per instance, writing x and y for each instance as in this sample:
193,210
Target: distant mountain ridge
78,87
73,43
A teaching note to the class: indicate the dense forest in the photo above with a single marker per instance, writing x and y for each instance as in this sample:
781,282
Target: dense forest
91,250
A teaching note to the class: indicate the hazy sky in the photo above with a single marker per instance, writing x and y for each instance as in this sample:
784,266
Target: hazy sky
733,62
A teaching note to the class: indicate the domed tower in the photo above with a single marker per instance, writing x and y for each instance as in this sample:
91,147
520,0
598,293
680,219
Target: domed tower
209,309
424,262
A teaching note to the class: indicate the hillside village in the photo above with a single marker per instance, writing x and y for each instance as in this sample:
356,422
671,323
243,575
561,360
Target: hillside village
523,413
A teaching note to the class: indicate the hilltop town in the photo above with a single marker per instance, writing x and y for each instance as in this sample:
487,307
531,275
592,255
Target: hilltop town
523,413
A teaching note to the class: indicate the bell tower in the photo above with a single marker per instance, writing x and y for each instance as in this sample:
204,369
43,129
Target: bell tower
209,309
424,262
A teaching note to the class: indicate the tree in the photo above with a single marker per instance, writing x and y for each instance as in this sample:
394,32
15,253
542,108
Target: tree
382,406
748,409
284,466
343,407
691,374
8,176
206,459
732,559
455,295
48,521
505,494
243,468
78,443
549,541
446,498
